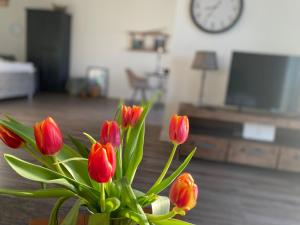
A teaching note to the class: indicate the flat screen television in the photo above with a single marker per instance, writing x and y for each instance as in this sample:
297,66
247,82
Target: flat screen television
265,82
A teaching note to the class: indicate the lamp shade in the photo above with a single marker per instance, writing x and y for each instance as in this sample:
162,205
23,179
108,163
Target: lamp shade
205,60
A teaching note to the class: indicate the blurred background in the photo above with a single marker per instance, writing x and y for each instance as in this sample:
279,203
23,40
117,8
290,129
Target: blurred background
232,66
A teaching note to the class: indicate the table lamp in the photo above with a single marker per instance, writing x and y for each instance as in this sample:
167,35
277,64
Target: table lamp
204,60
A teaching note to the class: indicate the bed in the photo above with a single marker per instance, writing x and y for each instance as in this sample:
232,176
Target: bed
16,79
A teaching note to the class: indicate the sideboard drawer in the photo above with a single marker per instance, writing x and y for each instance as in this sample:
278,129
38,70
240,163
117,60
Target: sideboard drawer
289,159
255,154
211,148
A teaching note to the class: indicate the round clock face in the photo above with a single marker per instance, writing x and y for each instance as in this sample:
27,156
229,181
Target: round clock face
215,16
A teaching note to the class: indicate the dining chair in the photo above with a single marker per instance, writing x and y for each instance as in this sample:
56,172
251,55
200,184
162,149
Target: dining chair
137,83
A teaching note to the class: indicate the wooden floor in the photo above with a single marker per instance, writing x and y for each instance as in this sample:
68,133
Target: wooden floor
229,194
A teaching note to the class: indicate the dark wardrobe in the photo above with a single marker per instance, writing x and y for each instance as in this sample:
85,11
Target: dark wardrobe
48,47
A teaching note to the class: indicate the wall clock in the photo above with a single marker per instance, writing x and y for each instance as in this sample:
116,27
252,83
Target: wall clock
216,16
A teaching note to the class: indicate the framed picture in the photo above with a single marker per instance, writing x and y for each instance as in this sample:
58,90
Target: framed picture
3,3
98,81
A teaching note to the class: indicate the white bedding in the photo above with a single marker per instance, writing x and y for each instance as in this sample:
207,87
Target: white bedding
16,67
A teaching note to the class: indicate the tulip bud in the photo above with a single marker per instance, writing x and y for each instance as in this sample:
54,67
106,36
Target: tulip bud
110,133
184,192
102,162
9,138
131,115
179,129
48,136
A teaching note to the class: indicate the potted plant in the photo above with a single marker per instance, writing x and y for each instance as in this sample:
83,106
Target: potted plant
100,176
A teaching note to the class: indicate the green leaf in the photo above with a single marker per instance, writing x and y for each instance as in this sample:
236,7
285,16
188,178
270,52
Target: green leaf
111,204
143,199
118,115
90,138
171,222
81,148
131,145
42,193
130,199
161,206
72,217
99,218
72,159
53,220
36,173
78,169
136,156
40,174
166,182
134,216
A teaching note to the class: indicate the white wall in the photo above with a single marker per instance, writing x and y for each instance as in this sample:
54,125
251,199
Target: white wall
12,26
270,26
99,34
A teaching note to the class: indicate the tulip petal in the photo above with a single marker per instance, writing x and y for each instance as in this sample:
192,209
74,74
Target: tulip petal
101,162
48,136
184,192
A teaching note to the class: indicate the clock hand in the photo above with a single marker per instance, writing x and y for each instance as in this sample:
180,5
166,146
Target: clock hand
213,7
212,10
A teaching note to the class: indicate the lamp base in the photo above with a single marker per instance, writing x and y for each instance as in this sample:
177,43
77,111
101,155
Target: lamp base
202,86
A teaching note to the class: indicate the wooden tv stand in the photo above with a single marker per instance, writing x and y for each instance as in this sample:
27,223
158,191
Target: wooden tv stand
217,132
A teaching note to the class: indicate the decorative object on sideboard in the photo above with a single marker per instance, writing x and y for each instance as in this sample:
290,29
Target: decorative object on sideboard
3,3
216,16
148,41
94,84
204,60
59,8
97,81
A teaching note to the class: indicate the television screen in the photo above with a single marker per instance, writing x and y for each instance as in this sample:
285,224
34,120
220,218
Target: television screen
265,82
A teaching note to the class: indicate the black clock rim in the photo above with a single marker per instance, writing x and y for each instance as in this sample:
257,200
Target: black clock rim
217,31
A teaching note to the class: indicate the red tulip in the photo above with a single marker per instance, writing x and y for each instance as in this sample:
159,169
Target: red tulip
184,192
131,115
9,138
110,133
179,129
48,136
102,162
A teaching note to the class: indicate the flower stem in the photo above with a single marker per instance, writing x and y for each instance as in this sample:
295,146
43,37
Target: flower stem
167,166
36,157
57,166
102,197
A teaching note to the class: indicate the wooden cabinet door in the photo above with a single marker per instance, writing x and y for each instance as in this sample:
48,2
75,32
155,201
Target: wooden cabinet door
211,148
255,154
289,159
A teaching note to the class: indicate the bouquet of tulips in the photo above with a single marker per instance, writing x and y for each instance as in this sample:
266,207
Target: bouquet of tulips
100,176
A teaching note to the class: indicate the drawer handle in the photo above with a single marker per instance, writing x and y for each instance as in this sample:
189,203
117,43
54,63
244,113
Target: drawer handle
206,145
253,151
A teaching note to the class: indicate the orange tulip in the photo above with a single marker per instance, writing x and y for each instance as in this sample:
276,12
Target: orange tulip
110,133
48,136
131,115
184,192
9,138
179,129
102,162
